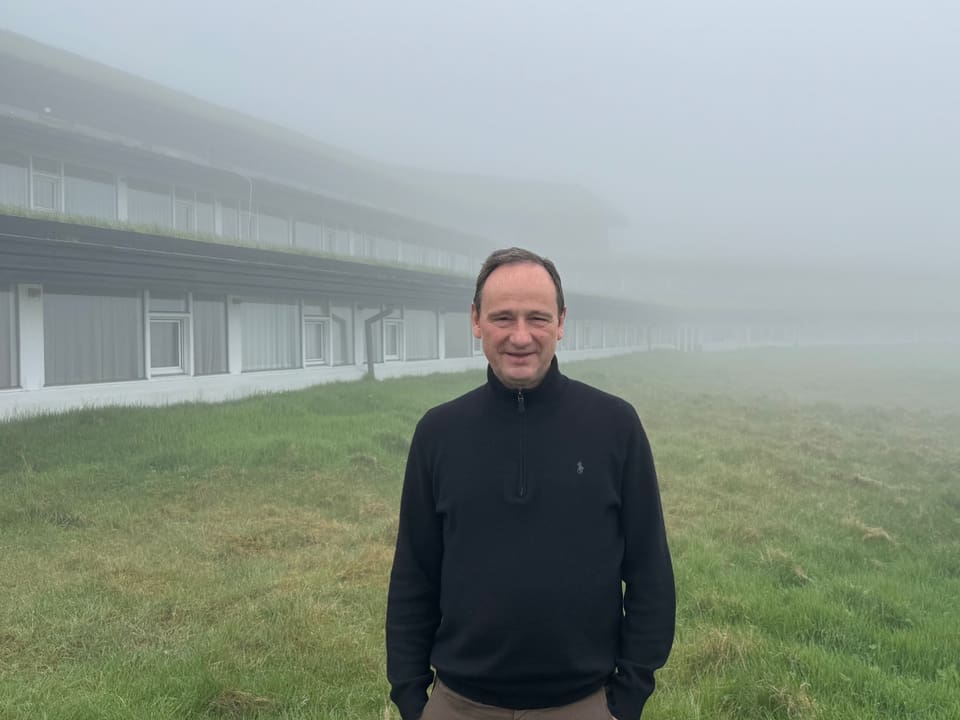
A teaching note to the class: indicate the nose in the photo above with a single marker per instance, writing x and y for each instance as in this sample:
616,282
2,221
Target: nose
521,334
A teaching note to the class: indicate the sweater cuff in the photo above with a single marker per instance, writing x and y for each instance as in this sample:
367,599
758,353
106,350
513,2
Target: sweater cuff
410,702
410,708
626,703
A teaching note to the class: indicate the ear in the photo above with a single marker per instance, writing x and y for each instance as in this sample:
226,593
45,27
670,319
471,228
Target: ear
563,316
475,320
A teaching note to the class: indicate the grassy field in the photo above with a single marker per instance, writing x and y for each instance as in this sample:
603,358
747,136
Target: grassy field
231,561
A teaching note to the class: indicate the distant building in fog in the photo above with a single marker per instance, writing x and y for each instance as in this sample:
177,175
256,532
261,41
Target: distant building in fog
155,248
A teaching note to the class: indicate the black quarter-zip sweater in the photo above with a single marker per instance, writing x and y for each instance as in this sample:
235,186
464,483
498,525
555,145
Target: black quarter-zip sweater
522,512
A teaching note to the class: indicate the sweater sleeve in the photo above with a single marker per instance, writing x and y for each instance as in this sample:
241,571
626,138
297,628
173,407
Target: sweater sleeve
649,601
413,600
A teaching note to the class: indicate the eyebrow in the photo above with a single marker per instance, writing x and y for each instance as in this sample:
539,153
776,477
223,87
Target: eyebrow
546,314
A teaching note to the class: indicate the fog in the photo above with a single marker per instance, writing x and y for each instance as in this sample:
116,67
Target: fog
814,133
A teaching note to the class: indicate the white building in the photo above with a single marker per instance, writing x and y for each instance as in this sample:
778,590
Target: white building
155,248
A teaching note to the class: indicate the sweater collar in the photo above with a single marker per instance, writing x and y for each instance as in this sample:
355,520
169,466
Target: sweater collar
549,388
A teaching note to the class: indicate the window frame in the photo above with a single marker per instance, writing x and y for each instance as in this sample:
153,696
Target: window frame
185,336
182,321
393,325
323,321
55,179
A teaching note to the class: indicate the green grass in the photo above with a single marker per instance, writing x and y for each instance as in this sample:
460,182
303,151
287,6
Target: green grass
231,561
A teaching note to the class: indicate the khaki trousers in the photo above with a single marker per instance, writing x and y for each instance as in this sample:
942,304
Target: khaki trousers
445,704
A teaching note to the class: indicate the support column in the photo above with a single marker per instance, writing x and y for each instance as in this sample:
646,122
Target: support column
441,335
30,322
234,335
359,344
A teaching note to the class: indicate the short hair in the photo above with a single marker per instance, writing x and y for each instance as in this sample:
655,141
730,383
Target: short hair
516,256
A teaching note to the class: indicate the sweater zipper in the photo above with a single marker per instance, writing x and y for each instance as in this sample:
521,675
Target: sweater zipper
521,409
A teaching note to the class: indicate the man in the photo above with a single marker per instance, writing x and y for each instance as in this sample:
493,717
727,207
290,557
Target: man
525,504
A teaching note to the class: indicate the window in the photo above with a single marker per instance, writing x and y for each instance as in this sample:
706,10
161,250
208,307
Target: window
616,335
92,335
420,334
316,333
357,244
457,334
205,214
168,302
89,193
248,225
8,339
46,184
209,334
384,248
274,230
149,204
315,308
591,335
185,216
392,339
229,220
185,211
308,235
341,241
316,346
167,345
46,193
169,336
412,254
14,169
341,335
271,335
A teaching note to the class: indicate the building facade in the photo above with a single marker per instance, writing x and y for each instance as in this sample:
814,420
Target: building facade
157,249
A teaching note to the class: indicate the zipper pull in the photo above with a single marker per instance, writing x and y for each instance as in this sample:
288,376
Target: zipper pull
520,407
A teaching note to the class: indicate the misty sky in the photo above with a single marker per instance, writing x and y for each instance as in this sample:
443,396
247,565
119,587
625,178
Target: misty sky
825,128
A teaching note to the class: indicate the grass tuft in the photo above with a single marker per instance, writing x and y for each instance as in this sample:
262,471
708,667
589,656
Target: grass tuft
867,482
868,533
791,702
720,649
786,570
239,704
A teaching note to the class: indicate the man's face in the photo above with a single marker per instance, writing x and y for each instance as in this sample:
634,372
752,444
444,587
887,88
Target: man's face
518,323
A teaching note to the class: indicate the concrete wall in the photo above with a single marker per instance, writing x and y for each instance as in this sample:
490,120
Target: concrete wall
21,402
